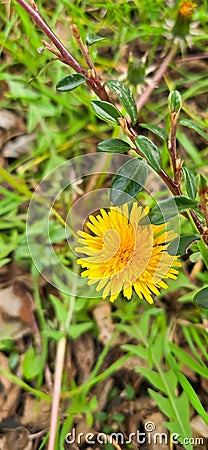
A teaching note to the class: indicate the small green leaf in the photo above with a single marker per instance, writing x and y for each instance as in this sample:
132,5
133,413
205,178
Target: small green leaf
136,72
114,146
70,82
118,417
75,330
136,350
184,357
61,312
192,396
201,183
4,261
167,209
149,151
181,427
174,101
190,181
153,377
129,180
32,364
106,111
190,124
184,203
195,257
163,403
92,38
126,98
201,298
156,130
177,410
181,247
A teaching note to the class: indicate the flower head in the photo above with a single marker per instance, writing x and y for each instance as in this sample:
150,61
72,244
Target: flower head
183,28
125,251
186,9
184,18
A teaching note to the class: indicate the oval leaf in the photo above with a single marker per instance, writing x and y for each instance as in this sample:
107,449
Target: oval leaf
92,38
106,111
195,257
149,151
156,130
114,146
125,96
167,209
184,203
70,82
201,183
174,101
201,298
136,72
180,247
190,181
190,124
129,180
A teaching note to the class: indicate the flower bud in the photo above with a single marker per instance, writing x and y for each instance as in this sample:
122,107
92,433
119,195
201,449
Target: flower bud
174,101
136,71
183,19
201,183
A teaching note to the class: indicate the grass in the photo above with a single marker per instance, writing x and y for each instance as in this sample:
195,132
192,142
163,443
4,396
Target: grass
64,126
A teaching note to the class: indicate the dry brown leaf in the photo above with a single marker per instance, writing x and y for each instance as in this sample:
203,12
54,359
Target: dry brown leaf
102,315
19,146
199,427
16,439
83,350
36,414
9,392
16,312
101,392
204,384
159,434
7,5
11,125
70,367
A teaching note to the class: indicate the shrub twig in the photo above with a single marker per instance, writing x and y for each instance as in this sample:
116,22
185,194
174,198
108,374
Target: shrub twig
96,85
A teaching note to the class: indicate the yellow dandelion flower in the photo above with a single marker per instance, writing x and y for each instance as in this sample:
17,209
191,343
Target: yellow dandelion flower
186,9
125,251
183,19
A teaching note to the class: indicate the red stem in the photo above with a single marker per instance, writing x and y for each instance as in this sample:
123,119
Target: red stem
65,55
95,84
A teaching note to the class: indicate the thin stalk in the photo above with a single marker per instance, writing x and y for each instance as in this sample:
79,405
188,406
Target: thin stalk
201,244
59,366
156,78
64,55
172,148
84,49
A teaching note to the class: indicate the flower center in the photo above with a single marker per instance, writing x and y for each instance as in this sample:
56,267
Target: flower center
122,258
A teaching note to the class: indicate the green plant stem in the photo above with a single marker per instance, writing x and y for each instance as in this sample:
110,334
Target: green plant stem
201,244
17,185
172,149
37,393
